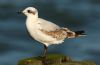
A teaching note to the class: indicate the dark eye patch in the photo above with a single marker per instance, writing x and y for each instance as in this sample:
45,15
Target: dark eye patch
29,11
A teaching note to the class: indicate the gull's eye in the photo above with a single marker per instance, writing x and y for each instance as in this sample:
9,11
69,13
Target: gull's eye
28,11
31,12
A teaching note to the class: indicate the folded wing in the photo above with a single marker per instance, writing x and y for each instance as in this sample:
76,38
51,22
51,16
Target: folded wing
48,26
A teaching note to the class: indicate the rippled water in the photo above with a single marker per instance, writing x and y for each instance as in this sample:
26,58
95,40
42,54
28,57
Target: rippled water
16,44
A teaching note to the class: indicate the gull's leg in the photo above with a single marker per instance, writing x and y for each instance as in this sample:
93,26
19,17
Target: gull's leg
45,51
45,55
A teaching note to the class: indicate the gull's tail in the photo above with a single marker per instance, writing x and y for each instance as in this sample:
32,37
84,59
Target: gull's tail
79,33
75,34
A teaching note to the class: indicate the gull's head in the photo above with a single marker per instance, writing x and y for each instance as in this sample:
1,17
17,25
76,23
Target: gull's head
30,11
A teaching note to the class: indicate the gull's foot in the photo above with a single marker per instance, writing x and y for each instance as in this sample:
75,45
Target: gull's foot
45,62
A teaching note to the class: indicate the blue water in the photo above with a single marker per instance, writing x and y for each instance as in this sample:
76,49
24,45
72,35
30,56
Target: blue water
16,44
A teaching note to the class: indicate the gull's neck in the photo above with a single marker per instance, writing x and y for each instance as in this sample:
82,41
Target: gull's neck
32,18
31,22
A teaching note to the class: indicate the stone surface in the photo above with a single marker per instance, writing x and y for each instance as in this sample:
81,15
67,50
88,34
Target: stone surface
53,59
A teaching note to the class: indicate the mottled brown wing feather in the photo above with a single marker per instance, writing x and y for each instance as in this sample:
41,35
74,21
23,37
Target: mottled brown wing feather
59,34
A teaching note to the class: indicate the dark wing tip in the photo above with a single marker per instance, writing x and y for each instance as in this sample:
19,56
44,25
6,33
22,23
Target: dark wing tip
80,32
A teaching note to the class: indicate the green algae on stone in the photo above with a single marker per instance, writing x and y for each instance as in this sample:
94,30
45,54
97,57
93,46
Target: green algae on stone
53,59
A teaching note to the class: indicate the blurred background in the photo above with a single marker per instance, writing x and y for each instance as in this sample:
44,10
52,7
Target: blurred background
16,44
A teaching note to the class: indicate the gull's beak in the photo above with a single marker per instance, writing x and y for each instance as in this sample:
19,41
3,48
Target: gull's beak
19,12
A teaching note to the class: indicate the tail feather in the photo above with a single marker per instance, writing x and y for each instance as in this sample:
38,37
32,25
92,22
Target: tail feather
75,34
80,33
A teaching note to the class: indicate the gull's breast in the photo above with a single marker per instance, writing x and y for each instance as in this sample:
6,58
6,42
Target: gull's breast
34,31
37,34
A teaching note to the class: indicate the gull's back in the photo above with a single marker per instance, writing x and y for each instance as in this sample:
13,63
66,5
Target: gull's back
47,26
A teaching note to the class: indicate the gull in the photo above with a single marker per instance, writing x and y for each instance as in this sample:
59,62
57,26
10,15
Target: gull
46,32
